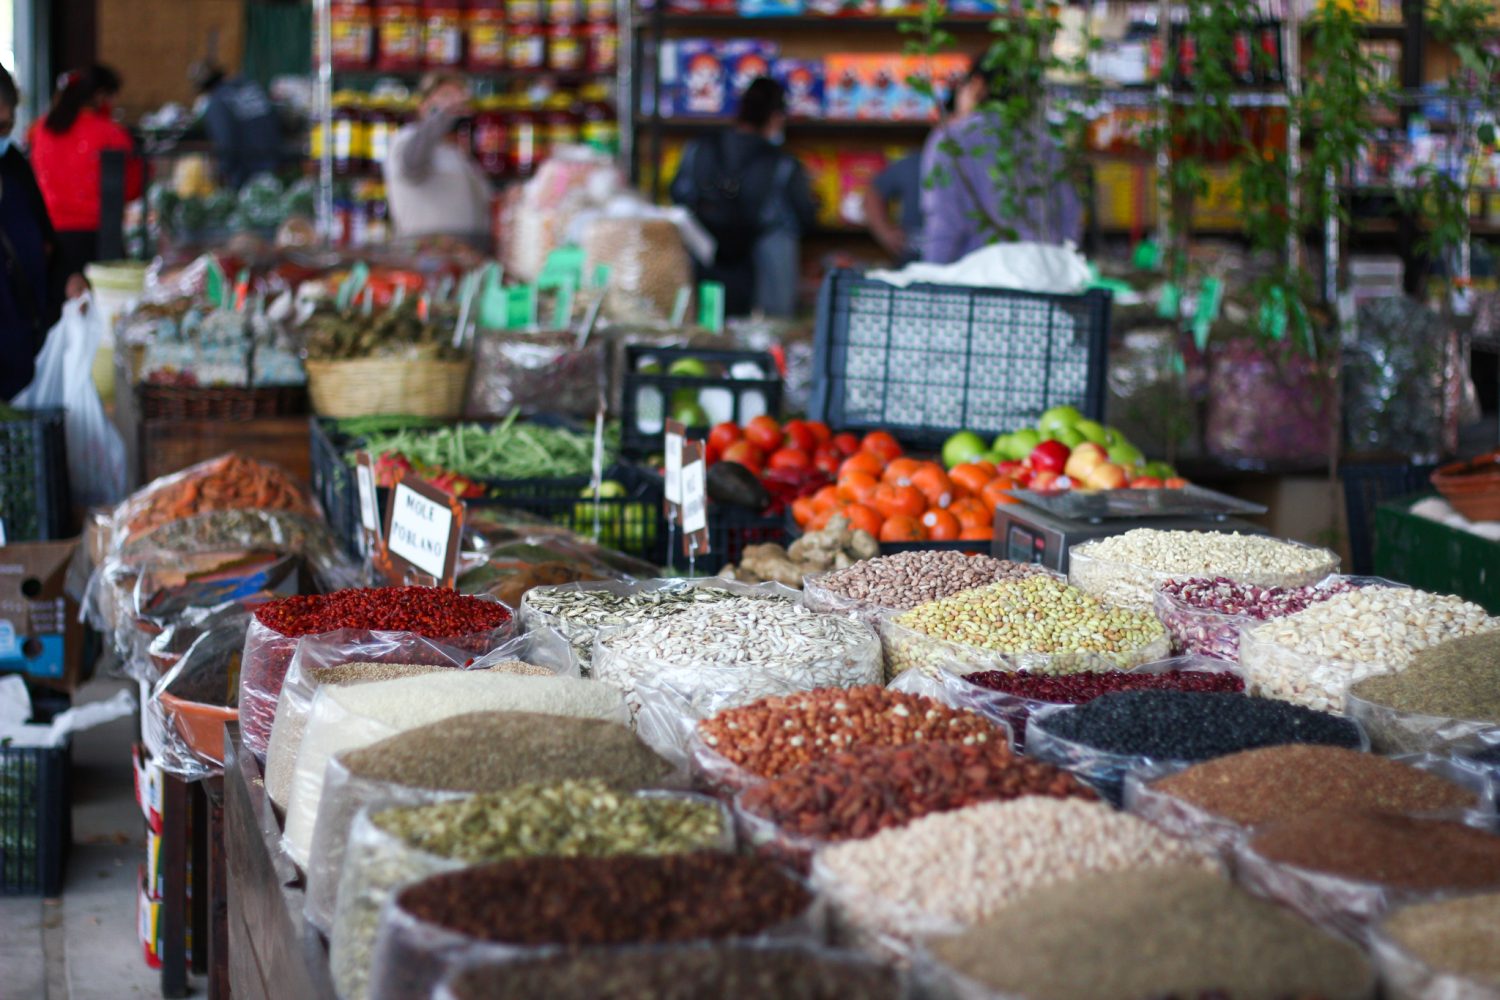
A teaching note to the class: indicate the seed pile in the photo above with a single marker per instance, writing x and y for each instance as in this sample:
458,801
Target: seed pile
1313,656
1457,679
906,579
1274,783
959,867
1036,614
772,736
855,793
1124,569
724,971
1075,689
771,644
1204,615
1457,936
579,613
426,611
617,900
1178,725
1177,932
1402,852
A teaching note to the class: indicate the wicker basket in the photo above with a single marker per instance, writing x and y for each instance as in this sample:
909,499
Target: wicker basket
374,386
1472,487
234,404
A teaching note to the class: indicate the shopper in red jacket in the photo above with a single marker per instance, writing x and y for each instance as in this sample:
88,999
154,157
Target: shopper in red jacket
65,148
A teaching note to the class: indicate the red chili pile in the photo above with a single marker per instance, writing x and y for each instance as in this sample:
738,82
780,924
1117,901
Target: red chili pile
1075,689
854,794
430,612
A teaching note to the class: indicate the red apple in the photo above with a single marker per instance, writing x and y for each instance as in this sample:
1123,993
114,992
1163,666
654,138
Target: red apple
1010,469
828,459
1107,476
764,432
789,458
1175,483
1049,456
1145,483
846,443
723,435
800,436
1045,481
1084,460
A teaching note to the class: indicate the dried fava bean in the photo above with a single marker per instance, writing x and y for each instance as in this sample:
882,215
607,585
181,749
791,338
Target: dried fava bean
625,899
1457,679
1034,615
774,735
1176,932
1312,657
1124,569
949,870
855,793
906,579
1182,725
426,611
1274,783
1204,616
686,972
1460,937
1398,852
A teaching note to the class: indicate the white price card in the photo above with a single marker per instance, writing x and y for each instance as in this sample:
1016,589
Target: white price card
421,531
364,481
694,497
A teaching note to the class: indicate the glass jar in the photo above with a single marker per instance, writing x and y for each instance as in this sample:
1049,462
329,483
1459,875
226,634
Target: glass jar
564,11
443,34
524,139
598,10
602,44
399,33
565,51
486,36
559,124
526,47
351,36
350,136
599,127
490,135
523,12
382,119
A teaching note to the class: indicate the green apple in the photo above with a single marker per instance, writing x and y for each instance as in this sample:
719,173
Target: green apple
688,368
690,414
1059,416
1112,437
1069,436
994,457
1092,430
1160,470
1019,444
1126,454
965,446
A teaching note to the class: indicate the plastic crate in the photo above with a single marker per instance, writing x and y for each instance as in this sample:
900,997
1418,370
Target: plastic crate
641,430
36,816
926,361
731,529
631,523
1366,486
1436,557
35,500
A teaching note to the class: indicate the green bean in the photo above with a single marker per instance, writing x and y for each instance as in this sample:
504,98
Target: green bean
511,449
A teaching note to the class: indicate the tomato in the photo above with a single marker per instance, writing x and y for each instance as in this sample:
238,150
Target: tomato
746,454
711,454
821,432
882,444
846,443
828,459
800,436
765,433
723,435
789,458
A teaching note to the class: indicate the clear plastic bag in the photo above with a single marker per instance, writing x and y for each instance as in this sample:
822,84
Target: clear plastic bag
1274,671
1213,633
1396,373
647,265
1133,586
1404,976
348,717
1395,731
536,372
182,721
824,600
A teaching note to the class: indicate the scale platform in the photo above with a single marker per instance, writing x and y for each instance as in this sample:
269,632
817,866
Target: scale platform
1043,526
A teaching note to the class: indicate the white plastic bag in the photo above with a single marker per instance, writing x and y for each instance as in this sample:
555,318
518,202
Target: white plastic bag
65,378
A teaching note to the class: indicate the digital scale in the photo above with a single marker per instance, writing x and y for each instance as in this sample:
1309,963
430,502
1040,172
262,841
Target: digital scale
1044,526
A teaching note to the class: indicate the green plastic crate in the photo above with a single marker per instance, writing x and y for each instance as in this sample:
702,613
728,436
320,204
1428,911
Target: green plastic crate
1436,557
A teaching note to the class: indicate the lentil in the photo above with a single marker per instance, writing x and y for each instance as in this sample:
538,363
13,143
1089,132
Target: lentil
1177,932
1124,569
906,579
1427,705
725,971
1395,852
577,613
767,646
1313,656
1274,783
1019,618
1456,936
772,736
950,870
1204,616
853,794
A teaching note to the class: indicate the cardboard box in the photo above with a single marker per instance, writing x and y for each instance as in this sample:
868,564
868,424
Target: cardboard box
703,77
148,786
40,634
843,85
803,80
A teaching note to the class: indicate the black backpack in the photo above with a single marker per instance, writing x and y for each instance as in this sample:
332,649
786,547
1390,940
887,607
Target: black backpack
720,204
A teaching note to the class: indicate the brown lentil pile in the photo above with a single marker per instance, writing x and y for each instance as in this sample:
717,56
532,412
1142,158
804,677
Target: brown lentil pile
627,899
1401,852
1457,936
723,971
906,579
855,793
774,735
1174,932
1274,783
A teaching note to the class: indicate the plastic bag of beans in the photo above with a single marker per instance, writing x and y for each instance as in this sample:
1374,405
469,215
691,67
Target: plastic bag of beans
342,623
1200,630
1457,939
977,691
413,954
1393,730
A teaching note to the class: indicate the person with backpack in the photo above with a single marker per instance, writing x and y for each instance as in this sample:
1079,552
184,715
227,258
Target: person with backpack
754,199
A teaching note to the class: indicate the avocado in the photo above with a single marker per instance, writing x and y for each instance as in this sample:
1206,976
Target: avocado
732,483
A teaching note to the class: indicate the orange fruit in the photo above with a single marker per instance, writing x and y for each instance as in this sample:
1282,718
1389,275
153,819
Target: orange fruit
803,510
997,492
941,526
894,500
901,529
898,473
857,487
864,518
971,476
862,462
881,443
826,498
934,484
971,513
983,534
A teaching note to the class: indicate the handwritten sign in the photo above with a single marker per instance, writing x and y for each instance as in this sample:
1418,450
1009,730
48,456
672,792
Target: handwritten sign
422,530
671,453
694,500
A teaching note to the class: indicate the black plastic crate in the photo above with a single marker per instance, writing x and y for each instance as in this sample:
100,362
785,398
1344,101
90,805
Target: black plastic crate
333,483
35,500
1367,487
641,429
926,361
731,530
36,816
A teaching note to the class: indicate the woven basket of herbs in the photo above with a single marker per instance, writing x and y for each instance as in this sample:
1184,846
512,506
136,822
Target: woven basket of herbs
392,361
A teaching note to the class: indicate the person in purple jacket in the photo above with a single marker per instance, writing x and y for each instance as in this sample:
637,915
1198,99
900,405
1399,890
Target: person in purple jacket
965,207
